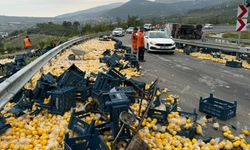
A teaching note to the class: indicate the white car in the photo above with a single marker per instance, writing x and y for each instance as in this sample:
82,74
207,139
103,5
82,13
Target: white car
118,32
159,41
147,27
130,30
208,26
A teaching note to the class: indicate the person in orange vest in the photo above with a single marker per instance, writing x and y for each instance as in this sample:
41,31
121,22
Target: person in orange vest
140,45
27,44
134,41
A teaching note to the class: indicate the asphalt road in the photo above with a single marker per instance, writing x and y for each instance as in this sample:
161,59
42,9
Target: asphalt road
192,78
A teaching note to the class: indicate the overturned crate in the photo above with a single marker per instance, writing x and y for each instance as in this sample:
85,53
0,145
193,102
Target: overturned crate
62,100
161,112
132,60
104,83
87,136
3,126
21,106
46,83
234,64
113,60
74,77
127,49
221,109
190,132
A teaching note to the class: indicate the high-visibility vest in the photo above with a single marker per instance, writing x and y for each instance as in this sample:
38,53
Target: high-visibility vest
140,39
134,36
27,42
134,41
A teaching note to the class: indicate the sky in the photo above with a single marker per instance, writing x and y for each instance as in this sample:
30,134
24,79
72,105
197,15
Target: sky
48,8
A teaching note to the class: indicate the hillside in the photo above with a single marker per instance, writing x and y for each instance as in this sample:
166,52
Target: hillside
171,9
150,9
89,13
222,13
11,23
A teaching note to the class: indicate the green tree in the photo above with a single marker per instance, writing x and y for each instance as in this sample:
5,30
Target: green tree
1,45
134,21
67,24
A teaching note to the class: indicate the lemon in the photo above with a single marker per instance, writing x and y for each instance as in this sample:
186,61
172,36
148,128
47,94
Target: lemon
236,144
245,132
194,141
147,86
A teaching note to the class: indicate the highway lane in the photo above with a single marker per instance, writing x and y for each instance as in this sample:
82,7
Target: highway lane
191,78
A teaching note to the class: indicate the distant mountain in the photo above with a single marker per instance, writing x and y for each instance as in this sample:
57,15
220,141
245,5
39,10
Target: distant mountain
89,13
219,14
159,8
200,9
11,23
171,1
225,10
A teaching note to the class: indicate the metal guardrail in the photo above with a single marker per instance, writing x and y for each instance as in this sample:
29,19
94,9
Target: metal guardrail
13,84
226,48
226,40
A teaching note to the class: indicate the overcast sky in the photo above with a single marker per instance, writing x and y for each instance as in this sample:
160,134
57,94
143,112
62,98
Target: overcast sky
48,8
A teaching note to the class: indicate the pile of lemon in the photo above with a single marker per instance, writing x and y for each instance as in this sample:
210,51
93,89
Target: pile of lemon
176,122
44,131
130,72
220,60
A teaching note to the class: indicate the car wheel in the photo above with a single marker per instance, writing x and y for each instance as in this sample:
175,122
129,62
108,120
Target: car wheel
171,53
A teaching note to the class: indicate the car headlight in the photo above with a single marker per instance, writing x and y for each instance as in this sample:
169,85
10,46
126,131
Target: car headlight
152,43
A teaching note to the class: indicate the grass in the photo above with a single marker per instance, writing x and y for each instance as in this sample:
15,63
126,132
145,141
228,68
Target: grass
30,59
235,35
18,41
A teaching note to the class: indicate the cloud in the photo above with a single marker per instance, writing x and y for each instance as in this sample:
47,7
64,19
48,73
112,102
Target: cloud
48,8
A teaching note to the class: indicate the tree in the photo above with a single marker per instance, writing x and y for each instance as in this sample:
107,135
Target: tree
1,45
76,26
134,21
67,24
14,33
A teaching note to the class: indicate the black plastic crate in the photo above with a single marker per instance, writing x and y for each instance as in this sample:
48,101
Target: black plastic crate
87,135
129,92
104,83
130,57
127,49
113,60
62,100
74,77
234,64
162,115
115,74
139,86
3,127
118,44
219,108
189,133
22,105
46,83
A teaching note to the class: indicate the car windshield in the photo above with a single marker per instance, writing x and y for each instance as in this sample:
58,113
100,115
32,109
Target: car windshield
158,35
118,29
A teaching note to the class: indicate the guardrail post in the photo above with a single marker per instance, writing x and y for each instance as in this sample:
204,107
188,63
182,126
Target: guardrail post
50,63
42,70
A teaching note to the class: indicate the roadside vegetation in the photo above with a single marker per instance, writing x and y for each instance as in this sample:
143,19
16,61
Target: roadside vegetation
47,34
244,35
